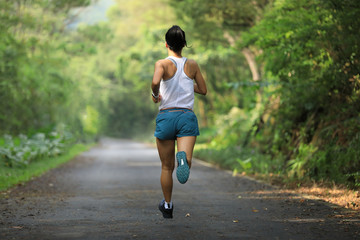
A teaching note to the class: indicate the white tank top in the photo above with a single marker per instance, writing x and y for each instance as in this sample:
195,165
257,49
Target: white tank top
178,91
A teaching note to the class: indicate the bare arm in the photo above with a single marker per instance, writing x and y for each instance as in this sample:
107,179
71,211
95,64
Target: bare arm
155,85
200,86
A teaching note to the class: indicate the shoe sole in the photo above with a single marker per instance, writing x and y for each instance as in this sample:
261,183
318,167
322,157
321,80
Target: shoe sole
183,170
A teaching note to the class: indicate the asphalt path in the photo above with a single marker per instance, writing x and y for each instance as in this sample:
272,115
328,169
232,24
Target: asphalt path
113,190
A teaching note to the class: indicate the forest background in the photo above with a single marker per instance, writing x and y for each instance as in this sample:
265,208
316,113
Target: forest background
283,80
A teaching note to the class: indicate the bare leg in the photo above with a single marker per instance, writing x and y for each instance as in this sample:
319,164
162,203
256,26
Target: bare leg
186,144
166,149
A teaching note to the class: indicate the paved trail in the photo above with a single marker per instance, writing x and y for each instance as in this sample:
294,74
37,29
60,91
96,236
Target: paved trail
112,192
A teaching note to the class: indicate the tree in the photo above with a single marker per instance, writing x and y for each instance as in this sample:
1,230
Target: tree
33,87
311,49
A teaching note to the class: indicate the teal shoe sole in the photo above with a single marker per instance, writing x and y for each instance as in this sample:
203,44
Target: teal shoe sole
183,170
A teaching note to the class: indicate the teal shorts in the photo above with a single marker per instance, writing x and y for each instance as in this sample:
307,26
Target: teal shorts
176,122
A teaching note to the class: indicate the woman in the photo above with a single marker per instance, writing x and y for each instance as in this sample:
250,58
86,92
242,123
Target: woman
173,87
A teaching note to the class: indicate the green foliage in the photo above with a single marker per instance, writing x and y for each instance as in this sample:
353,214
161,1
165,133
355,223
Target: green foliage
12,176
92,79
307,116
35,90
356,178
65,5
311,47
298,166
91,121
245,165
137,44
208,20
21,151
300,117
239,159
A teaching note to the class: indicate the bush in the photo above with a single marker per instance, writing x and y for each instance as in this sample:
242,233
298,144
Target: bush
20,151
240,159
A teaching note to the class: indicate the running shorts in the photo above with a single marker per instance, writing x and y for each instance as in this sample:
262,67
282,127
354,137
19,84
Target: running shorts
176,122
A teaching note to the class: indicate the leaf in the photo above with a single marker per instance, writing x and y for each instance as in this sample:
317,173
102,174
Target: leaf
235,172
17,227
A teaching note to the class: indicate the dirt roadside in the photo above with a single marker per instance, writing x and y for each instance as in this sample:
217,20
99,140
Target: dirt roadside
339,196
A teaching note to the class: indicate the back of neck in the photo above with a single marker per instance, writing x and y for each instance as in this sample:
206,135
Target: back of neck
174,54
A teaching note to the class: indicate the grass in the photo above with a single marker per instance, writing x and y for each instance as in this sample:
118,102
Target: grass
12,176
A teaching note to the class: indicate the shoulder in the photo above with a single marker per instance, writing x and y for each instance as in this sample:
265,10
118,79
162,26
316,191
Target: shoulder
163,63
160,63
192,62
192,66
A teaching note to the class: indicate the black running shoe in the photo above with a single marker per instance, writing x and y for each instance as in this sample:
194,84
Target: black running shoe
167,213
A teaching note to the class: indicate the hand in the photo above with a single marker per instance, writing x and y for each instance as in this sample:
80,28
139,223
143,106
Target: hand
156,100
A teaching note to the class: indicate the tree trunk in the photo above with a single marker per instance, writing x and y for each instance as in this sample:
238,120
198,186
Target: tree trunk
250,58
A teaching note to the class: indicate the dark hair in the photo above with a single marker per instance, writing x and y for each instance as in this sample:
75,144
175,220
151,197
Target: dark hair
175,38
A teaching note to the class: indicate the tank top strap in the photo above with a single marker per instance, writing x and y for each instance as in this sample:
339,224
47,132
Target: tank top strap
184,61
173,60
179,62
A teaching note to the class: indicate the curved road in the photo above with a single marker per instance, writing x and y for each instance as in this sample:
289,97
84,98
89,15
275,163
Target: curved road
112,192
